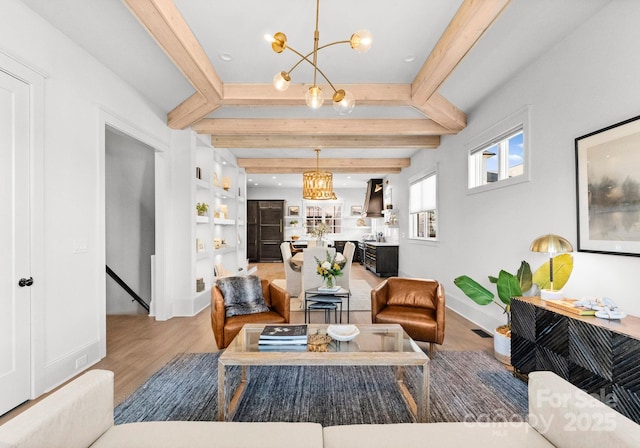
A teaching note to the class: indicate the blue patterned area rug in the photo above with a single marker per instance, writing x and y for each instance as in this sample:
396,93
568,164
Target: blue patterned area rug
465,386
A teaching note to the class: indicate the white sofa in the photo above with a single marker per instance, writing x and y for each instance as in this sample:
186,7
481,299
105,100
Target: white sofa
81,415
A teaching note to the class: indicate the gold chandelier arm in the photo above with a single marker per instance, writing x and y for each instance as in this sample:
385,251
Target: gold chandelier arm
334,43
306,58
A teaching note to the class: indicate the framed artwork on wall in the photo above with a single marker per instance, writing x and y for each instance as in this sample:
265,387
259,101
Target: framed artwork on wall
356,210
293,210
608,189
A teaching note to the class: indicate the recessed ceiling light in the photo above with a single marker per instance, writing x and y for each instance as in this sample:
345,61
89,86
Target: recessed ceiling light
348,177
226,57
409,58
279,184
256,184
273,177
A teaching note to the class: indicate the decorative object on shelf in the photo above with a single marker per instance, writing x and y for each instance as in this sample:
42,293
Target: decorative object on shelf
223,211
328,269
294,223
361,223
198,173
199,284
343,332
217,242
202,208
226,183
553,244
293,210
216,181
343,102
356,210
317,185
607,179
200,247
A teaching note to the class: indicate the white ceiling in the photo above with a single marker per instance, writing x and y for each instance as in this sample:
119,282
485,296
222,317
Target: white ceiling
405,28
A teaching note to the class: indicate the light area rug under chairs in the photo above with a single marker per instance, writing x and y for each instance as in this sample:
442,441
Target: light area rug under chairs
465,386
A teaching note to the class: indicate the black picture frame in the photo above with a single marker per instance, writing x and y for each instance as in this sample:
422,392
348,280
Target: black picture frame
608,189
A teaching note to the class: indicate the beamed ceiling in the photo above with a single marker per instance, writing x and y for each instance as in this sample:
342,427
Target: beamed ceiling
206,65
164,22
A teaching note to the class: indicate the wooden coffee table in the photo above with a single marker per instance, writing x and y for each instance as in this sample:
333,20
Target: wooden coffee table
377,345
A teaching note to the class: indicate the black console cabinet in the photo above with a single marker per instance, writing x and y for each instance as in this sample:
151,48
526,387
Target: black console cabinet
601,357
381,260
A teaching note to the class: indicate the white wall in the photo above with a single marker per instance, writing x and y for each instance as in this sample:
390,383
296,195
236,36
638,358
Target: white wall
585,83
130,220
77,88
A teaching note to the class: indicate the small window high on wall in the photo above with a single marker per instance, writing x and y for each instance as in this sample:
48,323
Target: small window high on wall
500,155
498,160
423,210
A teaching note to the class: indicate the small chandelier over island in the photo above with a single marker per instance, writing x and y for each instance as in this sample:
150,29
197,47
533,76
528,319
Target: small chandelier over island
343,101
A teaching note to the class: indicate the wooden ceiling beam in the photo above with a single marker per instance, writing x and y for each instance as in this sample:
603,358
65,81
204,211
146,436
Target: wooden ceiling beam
289,166
325,141
440,110
165,24
472,19
266,95
334,127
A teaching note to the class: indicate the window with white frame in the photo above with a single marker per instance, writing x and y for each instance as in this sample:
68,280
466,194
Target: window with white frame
499,156
497,160
423,210
329,213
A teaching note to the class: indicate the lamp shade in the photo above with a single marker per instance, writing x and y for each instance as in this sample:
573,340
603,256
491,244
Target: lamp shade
317,185
551,244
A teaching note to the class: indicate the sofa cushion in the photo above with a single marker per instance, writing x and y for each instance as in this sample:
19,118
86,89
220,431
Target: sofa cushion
419,323
570,418
211,434
72,417
420,435
242,295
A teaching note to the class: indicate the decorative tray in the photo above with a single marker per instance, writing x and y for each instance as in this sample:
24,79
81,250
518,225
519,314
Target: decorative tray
343,332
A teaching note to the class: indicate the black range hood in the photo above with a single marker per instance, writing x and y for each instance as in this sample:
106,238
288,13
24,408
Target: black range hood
373,201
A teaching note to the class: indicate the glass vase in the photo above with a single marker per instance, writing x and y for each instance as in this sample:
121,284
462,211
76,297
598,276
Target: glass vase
329,282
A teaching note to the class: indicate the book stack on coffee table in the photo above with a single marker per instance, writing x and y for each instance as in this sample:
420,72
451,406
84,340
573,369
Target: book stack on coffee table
283,338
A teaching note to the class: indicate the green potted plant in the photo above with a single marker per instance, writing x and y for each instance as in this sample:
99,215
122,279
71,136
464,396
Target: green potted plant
508,286
294,223
202,208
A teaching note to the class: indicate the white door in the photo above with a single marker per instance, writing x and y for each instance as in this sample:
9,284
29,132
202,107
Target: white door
15,279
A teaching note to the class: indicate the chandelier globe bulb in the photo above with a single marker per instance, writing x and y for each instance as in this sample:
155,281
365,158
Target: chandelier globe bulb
314,97
361,41
343,102
281,81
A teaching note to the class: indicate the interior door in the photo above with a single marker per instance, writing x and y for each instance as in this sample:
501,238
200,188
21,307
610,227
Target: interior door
15,297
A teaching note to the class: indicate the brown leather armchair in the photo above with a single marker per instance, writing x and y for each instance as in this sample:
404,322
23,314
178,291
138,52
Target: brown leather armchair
226,328
417,305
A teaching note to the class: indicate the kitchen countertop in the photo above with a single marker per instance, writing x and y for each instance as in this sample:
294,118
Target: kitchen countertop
388,243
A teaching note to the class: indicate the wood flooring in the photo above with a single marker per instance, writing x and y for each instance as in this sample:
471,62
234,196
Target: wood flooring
138,345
